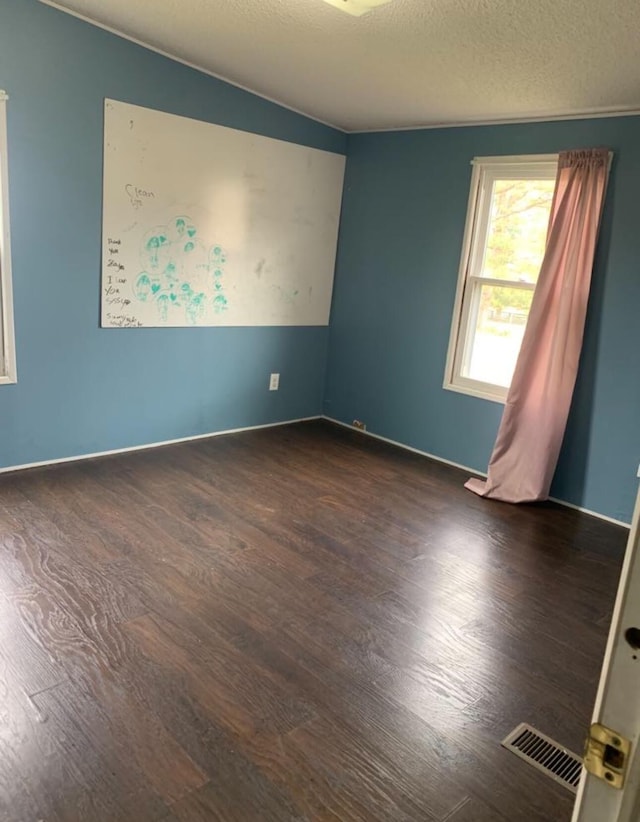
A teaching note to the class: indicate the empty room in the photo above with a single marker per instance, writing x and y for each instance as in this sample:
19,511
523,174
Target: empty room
319,410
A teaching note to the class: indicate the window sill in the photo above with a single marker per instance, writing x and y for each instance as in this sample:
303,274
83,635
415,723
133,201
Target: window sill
479,392
6,380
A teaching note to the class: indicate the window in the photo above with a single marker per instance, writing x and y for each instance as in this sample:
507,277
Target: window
7,344
504,242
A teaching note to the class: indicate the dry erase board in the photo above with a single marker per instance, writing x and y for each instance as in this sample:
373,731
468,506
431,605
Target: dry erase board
206,225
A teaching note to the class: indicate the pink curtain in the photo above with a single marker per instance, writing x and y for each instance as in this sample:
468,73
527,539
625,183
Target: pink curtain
537,406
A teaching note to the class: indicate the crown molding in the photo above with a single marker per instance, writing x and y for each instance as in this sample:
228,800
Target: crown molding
532,117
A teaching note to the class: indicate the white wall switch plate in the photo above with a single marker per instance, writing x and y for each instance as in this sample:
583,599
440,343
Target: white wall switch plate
274,382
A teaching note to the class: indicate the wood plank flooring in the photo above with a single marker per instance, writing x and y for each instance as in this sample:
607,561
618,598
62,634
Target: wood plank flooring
289,624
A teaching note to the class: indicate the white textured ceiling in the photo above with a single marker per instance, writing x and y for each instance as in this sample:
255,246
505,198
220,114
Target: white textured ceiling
409,63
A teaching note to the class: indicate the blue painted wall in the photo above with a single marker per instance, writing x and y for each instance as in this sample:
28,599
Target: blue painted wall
83,389
403,218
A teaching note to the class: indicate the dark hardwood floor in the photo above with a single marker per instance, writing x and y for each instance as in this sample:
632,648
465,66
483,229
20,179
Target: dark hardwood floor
294,623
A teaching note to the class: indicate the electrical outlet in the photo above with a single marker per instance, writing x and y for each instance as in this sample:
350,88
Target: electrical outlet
274,382
361,426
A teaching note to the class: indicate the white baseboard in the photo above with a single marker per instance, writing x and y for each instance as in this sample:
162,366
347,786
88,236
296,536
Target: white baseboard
590,512
10,468
405,447
470,470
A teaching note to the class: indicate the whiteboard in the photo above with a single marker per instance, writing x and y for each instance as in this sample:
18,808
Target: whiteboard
207,225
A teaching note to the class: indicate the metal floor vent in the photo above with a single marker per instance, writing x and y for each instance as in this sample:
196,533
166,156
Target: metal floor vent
546,755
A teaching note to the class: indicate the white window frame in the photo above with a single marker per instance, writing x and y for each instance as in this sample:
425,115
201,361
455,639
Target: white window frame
8,372
485,171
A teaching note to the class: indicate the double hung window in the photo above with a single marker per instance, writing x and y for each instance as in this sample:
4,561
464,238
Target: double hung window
504,243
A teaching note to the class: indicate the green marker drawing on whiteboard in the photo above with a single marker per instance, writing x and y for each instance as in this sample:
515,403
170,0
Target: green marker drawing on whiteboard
219,303
179,273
